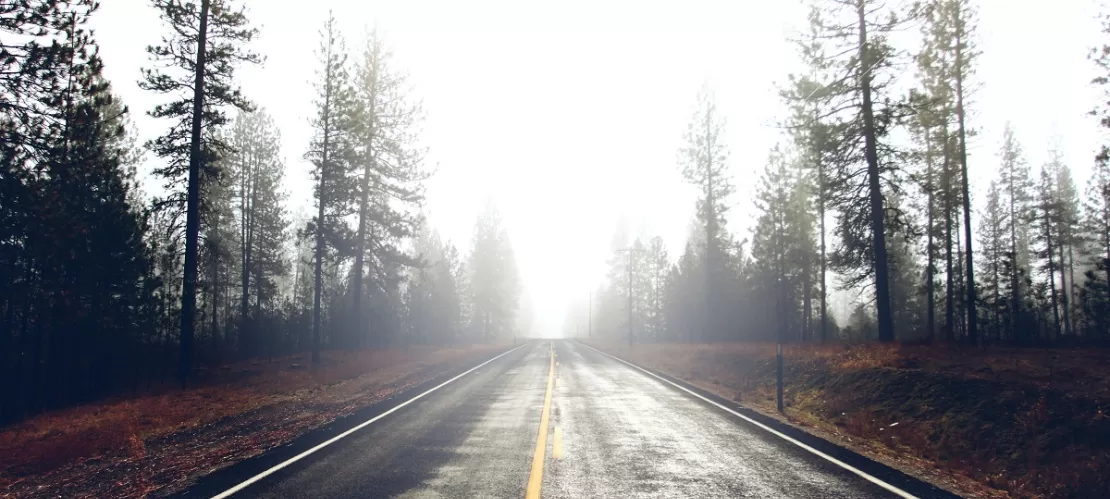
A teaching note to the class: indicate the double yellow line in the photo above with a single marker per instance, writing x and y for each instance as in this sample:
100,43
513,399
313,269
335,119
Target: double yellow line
535,479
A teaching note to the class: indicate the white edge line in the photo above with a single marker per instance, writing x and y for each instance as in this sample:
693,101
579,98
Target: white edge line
298,457
781,435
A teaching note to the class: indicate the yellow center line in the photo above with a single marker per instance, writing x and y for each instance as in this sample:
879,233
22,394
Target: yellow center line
535,479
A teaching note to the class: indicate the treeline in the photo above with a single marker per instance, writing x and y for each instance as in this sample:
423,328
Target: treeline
108,288
868,194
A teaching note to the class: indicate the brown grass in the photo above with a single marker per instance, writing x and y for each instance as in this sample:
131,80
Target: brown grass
235,411
988,423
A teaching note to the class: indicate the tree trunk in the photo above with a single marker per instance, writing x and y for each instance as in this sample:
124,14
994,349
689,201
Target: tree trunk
969,263
192,216
1051,273
1064,288
246,232
215,302
824,258
1015,282
961,319
807,303
930,280
710,238
882,277
1072,287
364,209
318,253
949,283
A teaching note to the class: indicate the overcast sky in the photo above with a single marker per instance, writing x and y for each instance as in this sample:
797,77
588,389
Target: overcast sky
570,113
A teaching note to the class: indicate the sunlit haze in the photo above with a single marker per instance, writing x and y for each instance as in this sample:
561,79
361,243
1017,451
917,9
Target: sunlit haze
569,114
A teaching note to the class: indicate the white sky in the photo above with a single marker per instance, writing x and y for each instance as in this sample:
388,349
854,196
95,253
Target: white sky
570,113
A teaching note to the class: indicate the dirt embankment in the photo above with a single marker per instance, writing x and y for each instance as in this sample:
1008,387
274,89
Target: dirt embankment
988,423
159,442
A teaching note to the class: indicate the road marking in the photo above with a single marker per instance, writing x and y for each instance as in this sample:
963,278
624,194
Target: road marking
557,446
895,490
535,478
298,457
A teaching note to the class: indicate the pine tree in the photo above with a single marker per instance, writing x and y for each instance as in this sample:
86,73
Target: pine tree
948,62
703,162
904,297
945,63
1046,221
493,279
219,241
194,66
44,42
1096,289
391,181
686,284
80,276
994,244
658,264
45,49
1016,186
331,153
432,295
812,126
1065,202
783,244
1100,55
772,243
924,131
860,159
256,170
962,17
1095,294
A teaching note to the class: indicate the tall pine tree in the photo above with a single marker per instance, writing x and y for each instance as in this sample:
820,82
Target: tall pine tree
194,68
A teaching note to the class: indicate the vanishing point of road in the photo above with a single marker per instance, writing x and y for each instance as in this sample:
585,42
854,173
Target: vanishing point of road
558,419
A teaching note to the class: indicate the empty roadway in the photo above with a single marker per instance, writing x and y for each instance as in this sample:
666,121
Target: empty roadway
614,432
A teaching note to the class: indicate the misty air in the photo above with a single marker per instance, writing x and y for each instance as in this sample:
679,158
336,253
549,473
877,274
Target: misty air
554,250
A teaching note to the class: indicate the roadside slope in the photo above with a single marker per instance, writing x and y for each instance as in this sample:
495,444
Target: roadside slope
996,423
155,443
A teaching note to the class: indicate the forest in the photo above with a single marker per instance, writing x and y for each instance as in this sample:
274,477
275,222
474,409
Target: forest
113,287
867,193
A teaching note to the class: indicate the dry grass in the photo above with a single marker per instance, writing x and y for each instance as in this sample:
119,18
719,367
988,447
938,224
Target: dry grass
235,411
992,422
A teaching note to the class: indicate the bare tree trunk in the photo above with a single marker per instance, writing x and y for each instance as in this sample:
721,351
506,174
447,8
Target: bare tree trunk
824,258
961,319
246,232
972,318
192,214
807,303
1051,272
215,303
998,293
949,286
710,238
930,266
1064,289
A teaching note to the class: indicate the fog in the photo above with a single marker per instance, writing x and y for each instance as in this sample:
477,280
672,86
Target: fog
569,115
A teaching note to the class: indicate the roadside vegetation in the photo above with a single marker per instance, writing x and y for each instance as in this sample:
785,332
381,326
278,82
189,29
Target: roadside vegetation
160,441
1017,422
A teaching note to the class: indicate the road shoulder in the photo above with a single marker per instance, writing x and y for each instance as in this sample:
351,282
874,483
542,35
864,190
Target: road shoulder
899,478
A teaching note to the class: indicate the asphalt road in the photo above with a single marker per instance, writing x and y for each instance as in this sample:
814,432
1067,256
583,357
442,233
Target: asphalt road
613,431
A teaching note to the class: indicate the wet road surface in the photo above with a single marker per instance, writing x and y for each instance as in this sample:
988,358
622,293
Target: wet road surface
613,432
